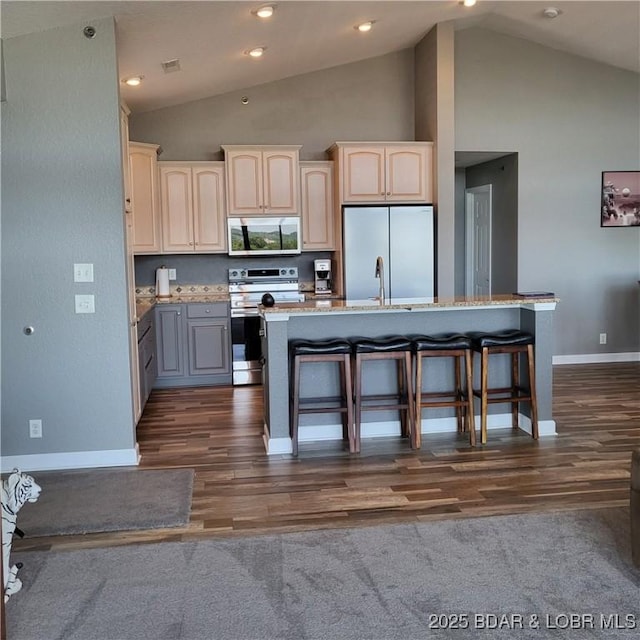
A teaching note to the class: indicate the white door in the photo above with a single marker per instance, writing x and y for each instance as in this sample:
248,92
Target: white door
478,241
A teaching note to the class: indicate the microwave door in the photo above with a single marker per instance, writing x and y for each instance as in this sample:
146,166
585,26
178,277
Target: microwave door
246,243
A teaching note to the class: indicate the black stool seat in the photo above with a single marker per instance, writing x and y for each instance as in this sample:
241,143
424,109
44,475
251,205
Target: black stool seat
320,347
381,345
510,338
450,342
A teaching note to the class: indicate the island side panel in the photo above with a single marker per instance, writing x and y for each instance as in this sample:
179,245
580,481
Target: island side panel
276,384
538,319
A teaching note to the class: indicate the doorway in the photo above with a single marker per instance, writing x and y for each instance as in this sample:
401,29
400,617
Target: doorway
486,259
478,237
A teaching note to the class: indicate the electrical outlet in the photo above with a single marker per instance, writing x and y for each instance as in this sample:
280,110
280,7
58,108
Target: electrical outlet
85,303
603,338
35,428
172,274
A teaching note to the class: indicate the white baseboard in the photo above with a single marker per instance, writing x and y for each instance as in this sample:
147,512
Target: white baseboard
325,432
71,460
593,358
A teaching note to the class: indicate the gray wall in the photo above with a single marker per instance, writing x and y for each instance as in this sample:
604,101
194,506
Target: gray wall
502,175
369,100
434,75
62,202
568,119
460,241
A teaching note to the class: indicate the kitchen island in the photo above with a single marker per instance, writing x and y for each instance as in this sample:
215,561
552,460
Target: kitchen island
324,319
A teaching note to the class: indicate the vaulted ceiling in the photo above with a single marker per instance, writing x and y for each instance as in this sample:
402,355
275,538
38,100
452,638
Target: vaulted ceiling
210,38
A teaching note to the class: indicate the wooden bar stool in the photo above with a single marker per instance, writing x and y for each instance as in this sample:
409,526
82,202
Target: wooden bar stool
454,346
514,342
306,351
396,348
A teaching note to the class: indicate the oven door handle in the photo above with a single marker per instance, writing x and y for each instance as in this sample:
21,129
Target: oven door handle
244,313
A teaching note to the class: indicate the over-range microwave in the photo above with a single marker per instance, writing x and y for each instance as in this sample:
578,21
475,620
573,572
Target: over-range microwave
264,236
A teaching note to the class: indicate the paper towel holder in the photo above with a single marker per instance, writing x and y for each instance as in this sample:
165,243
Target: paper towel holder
162,283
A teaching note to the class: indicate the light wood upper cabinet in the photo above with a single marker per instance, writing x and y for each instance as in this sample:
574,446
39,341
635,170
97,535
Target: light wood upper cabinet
384,172
316,204
193,207
143,171
262,180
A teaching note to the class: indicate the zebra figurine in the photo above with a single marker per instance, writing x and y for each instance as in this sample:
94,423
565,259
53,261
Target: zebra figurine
17,489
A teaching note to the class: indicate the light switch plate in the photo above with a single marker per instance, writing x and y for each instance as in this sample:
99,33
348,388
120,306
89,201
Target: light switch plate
172,274
83,272
85,304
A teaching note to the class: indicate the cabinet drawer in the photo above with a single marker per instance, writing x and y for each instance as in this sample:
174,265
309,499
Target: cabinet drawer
214,309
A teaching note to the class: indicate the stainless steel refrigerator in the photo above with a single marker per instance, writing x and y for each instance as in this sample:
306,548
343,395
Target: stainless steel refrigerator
403,236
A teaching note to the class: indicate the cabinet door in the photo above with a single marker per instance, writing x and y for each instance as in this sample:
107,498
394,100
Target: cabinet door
177,209
209,220
143,165
316,204
408,172
280,182
244,182
363,174
208,346
169,340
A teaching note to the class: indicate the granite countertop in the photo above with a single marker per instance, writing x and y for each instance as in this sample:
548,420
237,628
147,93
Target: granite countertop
373,304
146,303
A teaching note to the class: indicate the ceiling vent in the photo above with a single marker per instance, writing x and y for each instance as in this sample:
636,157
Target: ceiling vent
171,65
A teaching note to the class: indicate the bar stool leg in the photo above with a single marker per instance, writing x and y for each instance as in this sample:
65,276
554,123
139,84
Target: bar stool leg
459,395
532,392
404,425
358,403
410,422
348,394
346,435
484,374
471,421
515,384
416,440
295,405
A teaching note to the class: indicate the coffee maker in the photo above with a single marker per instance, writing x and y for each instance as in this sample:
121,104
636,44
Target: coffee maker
322,276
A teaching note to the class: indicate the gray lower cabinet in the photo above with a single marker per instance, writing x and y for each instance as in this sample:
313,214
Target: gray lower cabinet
147,362
170,340
193,344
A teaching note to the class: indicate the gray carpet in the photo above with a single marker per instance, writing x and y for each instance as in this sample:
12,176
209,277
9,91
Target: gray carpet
383,582
107,500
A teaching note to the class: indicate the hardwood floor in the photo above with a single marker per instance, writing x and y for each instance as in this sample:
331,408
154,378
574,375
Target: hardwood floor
238,490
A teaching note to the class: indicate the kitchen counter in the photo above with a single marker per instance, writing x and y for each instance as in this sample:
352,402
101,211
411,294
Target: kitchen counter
372,305
324,319
145,303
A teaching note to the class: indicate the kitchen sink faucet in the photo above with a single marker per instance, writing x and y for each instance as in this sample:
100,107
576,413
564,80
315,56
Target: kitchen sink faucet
380,274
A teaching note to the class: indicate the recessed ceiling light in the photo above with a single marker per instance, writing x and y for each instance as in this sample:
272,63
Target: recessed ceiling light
551,12
468,3
134,81
266,11
365,26
257,52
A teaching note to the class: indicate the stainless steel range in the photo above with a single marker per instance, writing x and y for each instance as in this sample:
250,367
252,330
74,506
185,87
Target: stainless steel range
246,288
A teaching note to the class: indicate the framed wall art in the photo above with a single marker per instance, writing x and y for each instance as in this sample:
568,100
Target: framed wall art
620,205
